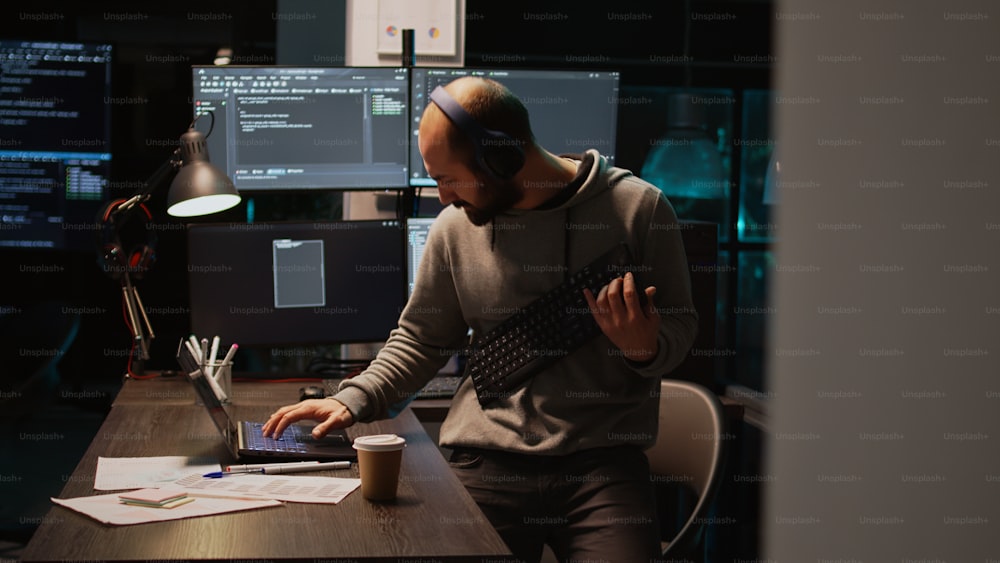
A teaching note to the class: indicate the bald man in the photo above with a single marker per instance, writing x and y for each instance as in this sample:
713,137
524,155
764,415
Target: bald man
559,460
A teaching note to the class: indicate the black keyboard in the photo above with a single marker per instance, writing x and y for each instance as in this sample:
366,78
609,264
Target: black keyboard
549,328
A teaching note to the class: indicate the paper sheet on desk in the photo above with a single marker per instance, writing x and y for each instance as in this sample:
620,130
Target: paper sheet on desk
119,473
108,510
297,488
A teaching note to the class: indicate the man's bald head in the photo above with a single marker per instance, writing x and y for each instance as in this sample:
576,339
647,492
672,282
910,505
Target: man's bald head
487,101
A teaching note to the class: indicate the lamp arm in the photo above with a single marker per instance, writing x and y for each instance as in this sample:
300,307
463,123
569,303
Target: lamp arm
142,331
169,167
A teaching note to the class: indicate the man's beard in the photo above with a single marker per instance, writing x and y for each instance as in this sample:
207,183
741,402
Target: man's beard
500,196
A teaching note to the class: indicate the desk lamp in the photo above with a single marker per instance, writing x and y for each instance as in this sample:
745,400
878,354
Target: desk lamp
198,188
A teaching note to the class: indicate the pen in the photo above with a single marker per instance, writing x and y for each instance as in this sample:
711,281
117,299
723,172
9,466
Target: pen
210,357
279,468
251,466
192,350
204,347
230,354
196,348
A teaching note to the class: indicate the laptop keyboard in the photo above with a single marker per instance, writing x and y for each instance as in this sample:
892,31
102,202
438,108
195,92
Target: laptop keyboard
291,440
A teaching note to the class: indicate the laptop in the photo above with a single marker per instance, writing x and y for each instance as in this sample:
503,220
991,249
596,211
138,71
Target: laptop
246,440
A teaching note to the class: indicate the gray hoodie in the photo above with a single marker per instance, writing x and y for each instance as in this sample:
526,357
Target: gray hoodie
477,276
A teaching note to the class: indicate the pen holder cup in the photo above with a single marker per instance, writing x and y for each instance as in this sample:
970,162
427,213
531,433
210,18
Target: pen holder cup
220,376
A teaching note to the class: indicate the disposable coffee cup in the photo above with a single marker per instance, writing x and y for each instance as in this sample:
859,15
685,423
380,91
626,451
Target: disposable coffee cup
379,457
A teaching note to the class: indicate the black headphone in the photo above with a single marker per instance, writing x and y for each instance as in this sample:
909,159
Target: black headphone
497,153
126,244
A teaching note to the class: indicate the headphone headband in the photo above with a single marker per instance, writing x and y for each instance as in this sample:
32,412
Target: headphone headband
497,153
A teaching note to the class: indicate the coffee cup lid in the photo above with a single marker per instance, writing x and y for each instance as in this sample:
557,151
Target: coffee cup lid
379,443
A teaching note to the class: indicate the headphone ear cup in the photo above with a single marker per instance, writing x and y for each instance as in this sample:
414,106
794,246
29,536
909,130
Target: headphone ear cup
502,160
140,260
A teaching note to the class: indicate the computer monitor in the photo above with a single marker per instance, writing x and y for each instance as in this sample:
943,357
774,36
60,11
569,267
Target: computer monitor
296,283
417,229
299,128
55,142
570,110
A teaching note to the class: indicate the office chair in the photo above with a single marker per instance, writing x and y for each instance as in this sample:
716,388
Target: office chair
690,452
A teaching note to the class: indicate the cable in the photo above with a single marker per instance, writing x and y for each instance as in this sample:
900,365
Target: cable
211,126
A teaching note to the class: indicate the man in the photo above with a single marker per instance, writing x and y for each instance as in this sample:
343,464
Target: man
560,459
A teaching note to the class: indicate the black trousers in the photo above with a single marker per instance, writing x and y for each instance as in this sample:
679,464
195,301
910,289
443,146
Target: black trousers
595,505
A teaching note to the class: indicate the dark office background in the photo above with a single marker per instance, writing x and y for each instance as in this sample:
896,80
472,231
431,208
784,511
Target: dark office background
64,297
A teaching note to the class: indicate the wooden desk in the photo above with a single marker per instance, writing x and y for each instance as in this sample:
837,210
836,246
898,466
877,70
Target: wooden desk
433,518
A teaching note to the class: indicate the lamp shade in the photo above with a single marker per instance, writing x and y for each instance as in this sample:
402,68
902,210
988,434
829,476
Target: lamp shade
685,162
199,188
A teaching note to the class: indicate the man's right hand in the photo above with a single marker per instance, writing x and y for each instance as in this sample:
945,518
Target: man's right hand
330,413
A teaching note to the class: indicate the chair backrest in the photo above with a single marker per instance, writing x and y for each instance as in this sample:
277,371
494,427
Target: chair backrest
690,450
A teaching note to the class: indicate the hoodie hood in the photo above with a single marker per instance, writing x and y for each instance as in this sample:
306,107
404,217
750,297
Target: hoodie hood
593,177
591,170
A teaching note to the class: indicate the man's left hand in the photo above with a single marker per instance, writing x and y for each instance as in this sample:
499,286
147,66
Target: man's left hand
623,320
